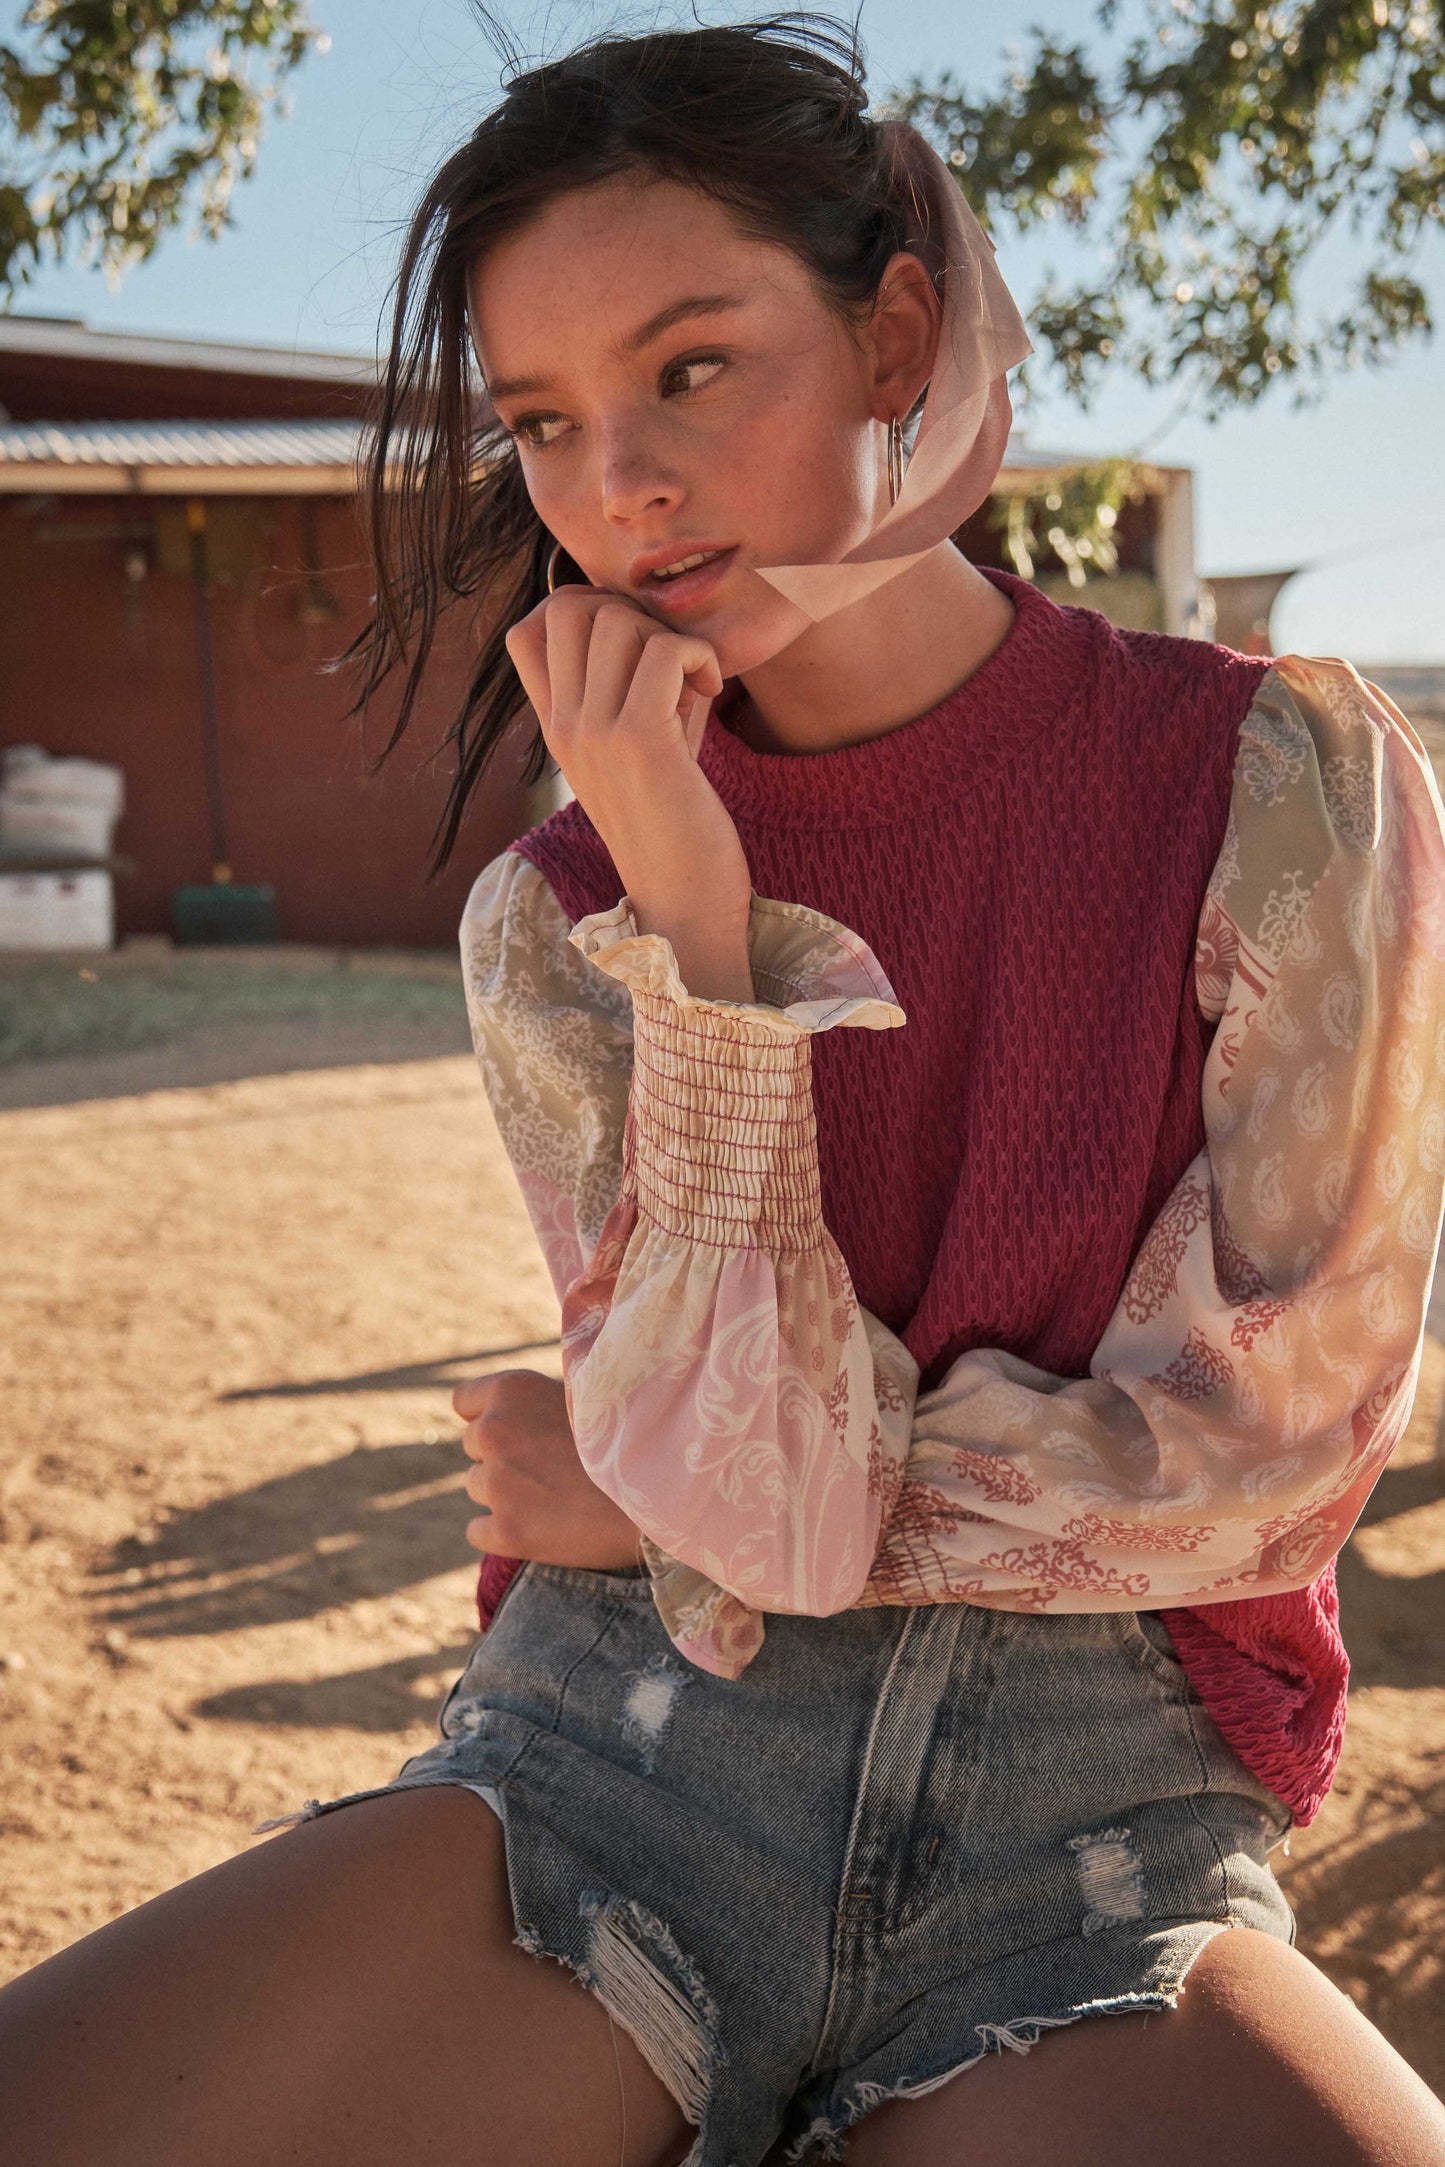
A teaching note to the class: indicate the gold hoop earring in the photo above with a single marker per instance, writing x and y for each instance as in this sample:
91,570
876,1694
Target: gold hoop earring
897,464
552,567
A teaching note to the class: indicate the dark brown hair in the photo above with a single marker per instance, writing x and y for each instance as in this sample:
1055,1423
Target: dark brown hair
768,117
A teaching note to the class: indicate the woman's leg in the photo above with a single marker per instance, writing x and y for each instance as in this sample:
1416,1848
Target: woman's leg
346,1994
1264,2061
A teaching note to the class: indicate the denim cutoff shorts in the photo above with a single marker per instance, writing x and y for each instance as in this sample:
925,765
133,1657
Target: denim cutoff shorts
904,1838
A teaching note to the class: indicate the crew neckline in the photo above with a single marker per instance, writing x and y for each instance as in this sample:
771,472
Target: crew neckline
1010,700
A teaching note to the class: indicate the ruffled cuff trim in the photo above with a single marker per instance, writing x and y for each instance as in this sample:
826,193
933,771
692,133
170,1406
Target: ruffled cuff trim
812,973
722,1145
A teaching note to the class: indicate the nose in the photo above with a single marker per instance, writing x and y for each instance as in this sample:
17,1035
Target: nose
636,478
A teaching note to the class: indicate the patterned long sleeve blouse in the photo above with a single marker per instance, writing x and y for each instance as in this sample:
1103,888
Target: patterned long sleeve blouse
767,1434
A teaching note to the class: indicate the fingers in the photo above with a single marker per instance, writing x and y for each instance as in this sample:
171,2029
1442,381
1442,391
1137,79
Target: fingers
481,1531
473,1395
666,682
617,640
569,633
694,707
580,653
572,609
505,1392
699,664
482,1536
527,647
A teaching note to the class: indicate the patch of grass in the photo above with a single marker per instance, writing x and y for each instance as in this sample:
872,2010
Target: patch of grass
48,1010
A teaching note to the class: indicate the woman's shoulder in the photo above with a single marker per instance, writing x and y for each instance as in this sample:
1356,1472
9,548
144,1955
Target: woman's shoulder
509,887
1331,778
1211,674
1287,710
517,954
1318,729
1337,704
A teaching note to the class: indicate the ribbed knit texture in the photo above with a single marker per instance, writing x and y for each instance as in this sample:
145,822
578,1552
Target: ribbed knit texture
1028,862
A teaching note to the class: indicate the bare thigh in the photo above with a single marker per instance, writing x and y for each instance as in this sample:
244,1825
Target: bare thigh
346,1995
1264,2060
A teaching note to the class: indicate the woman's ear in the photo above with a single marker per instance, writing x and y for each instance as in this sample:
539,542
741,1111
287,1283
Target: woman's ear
902,335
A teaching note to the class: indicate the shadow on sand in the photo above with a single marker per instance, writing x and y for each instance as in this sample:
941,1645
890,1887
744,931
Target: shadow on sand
447,1369
370,1523
388,1697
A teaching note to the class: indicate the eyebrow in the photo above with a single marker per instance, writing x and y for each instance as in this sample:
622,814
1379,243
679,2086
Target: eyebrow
676,312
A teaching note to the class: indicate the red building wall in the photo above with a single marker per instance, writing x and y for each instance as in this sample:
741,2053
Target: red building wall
94,662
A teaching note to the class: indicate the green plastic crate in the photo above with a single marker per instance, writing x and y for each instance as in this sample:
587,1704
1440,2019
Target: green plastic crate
223,911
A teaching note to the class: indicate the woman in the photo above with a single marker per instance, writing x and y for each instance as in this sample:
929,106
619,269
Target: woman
914,1655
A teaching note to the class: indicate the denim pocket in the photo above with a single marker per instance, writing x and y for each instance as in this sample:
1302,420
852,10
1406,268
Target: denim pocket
1146,1639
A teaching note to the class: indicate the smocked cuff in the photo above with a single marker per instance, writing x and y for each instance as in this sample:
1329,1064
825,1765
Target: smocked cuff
725,1146
722,1140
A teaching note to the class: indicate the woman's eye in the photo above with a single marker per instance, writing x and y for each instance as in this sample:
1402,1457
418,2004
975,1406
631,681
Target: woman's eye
692,374
533,430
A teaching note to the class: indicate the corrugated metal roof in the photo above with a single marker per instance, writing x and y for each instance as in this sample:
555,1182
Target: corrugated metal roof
72,338
180,443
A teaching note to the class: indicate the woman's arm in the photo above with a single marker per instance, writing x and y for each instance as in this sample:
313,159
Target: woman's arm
554,1037
725,1388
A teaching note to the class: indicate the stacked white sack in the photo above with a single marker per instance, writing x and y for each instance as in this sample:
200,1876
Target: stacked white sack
58,804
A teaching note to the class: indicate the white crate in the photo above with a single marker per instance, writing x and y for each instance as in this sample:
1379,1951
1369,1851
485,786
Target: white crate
57,910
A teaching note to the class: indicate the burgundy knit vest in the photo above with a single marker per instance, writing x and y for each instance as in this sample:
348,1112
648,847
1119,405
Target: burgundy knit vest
1028,862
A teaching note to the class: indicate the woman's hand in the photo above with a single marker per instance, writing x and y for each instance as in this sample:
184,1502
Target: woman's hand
538,1500
623,703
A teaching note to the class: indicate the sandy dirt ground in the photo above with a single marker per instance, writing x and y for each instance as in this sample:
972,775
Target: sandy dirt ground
243,1272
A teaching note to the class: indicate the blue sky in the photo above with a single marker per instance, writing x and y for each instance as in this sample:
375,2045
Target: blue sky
1352,488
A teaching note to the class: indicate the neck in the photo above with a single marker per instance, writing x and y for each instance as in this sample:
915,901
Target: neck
879,663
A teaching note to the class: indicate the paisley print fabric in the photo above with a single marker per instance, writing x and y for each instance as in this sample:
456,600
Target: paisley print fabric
766,1432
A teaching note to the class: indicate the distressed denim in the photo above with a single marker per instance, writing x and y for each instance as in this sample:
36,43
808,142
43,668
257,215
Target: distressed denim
904,1838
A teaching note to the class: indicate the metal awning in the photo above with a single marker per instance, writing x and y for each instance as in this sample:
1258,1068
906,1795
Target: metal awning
180,458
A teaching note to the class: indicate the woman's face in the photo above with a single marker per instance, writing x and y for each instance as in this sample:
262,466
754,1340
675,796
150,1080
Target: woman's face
675,390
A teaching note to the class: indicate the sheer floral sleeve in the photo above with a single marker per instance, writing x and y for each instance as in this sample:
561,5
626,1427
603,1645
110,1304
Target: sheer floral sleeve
1262,1360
